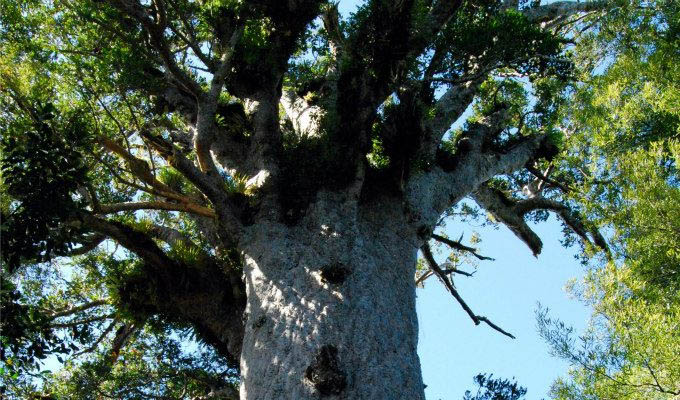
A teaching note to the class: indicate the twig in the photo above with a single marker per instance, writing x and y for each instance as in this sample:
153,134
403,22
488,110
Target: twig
539,175
101,337
454,270
459,246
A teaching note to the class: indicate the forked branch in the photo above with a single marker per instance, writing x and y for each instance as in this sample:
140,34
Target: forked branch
511,213
434,267
459,246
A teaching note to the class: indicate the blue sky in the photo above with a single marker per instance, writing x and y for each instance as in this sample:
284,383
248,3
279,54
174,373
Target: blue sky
453,350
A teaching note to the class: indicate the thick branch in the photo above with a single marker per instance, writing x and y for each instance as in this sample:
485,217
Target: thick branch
448,109
511,213
87,246
571,219
455,176
77,309
501,208
169,235
156,205
429,258
336,39
263,108
204,294
123,336
207,107
305,117
131,239
562,9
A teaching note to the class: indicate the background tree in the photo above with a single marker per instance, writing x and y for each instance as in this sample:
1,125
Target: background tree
495,389
626,116
262,174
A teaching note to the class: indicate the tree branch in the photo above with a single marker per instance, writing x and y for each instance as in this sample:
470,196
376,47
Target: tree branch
156,205
207,107
511,213
80,322
189,292
213,187
656,381
336,39
429,258
169,235
459,246
123,335
305,117
551,11
156,31
263,108
451,106
82,307
88,246
191,40
99,339
131,239
456,175
538,174
501,208
138,167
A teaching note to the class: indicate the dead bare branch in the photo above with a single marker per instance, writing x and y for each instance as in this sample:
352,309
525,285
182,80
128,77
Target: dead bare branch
429,258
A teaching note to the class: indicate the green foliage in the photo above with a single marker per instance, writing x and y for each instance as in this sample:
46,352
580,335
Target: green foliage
157,364
41,160
377,157
482,32
622,142
495,389
26,338
630,349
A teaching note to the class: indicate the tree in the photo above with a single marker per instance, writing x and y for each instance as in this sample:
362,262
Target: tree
495,389
628,112
263,173
630,350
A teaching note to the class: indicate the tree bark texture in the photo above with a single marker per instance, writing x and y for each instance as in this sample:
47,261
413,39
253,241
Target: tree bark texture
331,306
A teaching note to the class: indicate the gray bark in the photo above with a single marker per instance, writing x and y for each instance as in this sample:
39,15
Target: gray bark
331,306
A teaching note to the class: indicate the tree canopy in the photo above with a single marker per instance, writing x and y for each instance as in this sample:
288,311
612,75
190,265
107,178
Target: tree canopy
627,118
144,143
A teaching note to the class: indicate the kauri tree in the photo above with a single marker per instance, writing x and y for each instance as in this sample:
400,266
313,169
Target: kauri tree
260,175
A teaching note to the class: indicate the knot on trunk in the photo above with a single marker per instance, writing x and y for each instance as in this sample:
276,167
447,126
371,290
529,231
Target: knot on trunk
334,273
324,372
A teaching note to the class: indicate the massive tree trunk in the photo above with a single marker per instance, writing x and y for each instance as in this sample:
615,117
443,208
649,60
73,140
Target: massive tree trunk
331,305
